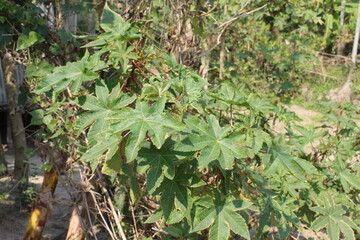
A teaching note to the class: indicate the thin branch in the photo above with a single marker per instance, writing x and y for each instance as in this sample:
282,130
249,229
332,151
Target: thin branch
313,198
102,217
245,146
226,25
108,198
331,55
211,10
231,116
237,15
322,74
87,208
134,220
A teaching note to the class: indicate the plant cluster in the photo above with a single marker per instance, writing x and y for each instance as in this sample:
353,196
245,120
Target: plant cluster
205,156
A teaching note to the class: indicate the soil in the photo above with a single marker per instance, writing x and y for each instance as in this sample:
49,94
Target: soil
14,213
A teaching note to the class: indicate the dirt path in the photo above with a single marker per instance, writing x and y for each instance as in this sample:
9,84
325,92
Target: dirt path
309,117
14,218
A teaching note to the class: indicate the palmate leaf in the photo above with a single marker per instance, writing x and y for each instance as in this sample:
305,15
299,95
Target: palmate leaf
255,139
122,54
347,178
213,141
144,120
113,22
231,94
160,162
115,27
174,192
73,74
281,156
221,217
108,146
332,218
308,135
281,212
98,108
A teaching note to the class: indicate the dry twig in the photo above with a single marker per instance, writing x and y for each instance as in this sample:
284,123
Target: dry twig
108,198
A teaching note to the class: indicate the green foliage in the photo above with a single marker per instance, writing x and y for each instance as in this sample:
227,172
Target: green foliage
212,142
208,158
27,28
332,218
25,41
221,217
141,121
73,74
28,195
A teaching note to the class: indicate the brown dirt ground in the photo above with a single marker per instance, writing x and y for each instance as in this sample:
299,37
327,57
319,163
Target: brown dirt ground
14,216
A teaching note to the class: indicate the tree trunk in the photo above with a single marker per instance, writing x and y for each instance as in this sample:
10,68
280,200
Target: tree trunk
205,60
344,93
356,38
341,43
16,123
222,48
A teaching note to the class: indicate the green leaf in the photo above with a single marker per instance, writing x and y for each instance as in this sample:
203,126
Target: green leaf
171,189
101,107
144,120
237,224
213,141
108,145
37,117
221,217
332,218
73,74
220,230
25,41
95,43
349,178
207,218
320,222
113,164
122,54
346,229
281,156
161,163
156,216
113,22
230,94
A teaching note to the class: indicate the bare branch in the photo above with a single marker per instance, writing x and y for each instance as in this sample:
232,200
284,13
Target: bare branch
227,24
108,198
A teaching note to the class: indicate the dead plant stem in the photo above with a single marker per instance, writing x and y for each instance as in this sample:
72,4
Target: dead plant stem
108,198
